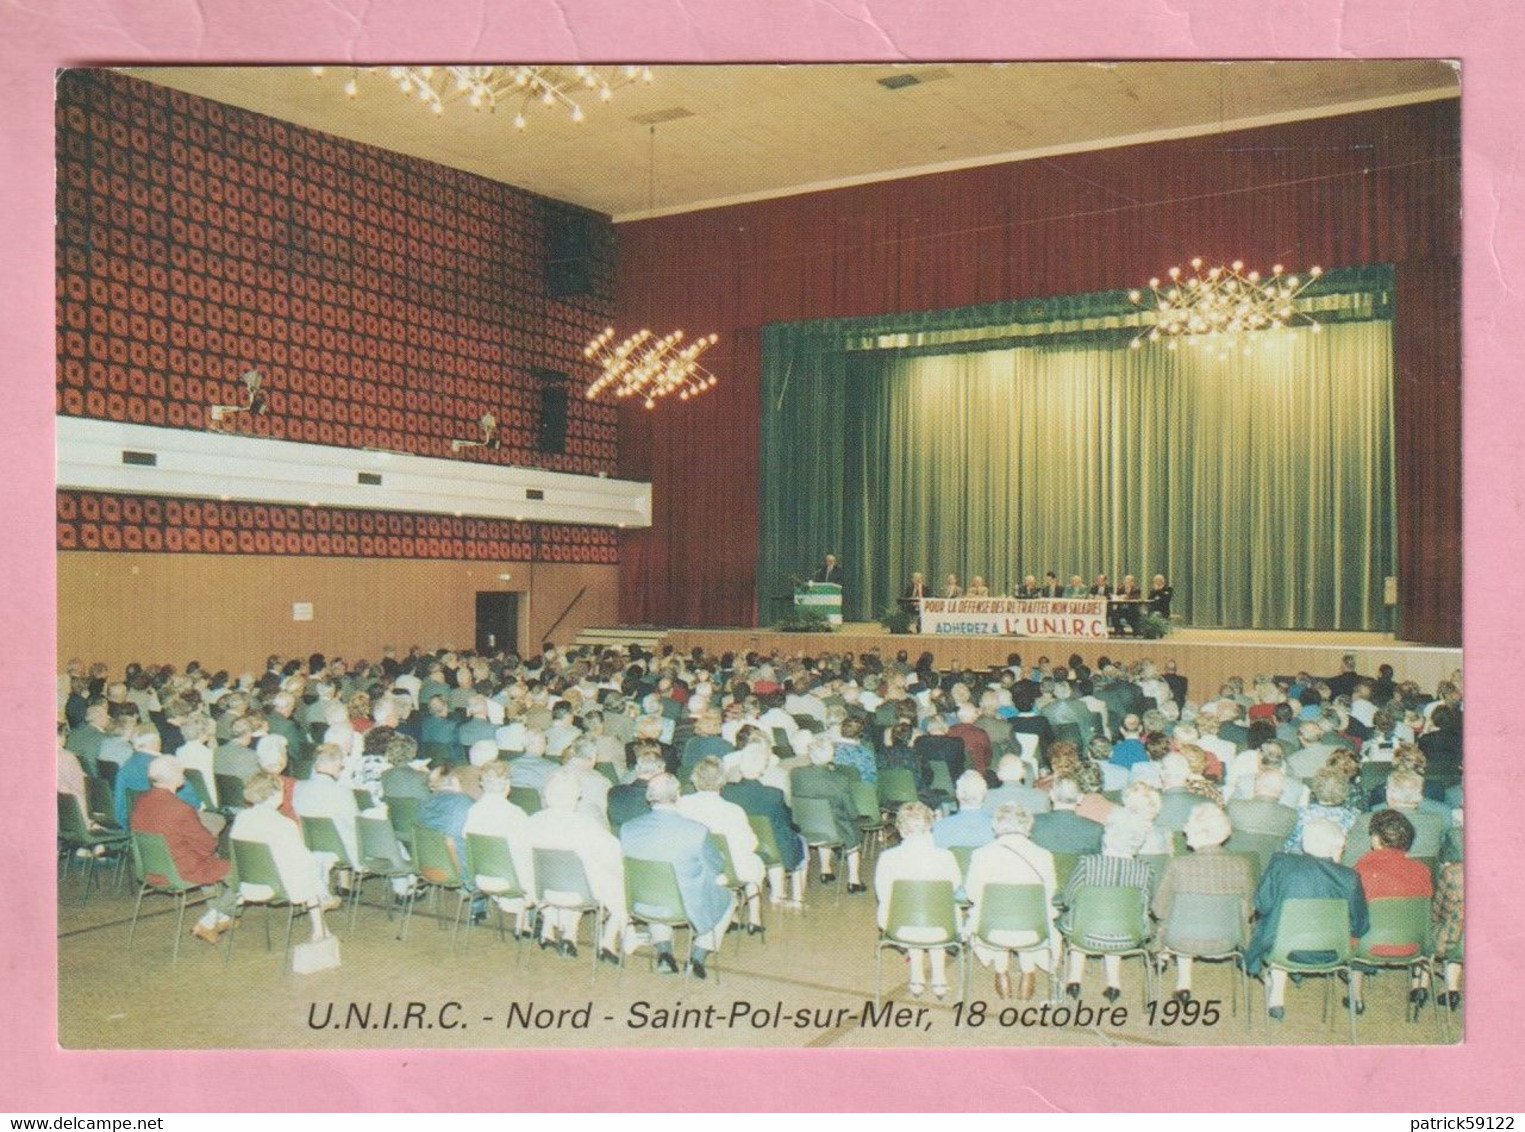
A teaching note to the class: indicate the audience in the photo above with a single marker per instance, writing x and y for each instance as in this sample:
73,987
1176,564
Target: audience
1379,762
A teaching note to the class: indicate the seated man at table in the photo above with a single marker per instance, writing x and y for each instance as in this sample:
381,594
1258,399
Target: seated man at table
1125,609
977,588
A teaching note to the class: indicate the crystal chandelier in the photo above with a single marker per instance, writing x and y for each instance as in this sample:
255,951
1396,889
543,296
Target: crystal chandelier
488,87
648,367
1221,301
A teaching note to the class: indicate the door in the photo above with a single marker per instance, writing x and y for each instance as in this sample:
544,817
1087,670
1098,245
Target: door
497,622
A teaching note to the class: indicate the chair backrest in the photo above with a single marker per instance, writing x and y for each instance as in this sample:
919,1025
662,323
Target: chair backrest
866,802
1199,916
230,791
71,823
255,864
767,843
652,892
1013,908
436,857
363,799
1398,925
527,798
560,870
403,814
942,777
810,723
197,782
132,797
151,858
608,771
727,862
816,821
1157,863
1309,925
108,770
781,743
322,836
897,785
1064,865
1263,845
380,850
1372,776
488,855
1070,732
98,795
921,912
962,854
1108,918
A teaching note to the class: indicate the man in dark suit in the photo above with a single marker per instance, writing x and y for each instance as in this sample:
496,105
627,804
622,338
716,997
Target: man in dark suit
761,800
917,588
1052,587
1062,830
1029,588
937,746
1175,682
829,571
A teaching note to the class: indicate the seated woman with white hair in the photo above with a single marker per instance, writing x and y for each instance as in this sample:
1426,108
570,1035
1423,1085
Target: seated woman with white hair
917,857
271,752
1206,871
304,874
1012,859
1143,801
1116,866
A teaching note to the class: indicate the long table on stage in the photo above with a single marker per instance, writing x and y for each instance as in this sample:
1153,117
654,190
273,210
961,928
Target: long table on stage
1206,657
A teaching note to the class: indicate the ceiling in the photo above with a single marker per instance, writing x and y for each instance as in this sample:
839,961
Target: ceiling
771,130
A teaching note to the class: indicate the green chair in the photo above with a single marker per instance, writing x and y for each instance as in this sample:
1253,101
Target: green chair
403,814
101,802
608,771
1064,865
1111,920
809,723
1308,926
1263,845
381,855
438,871
197,782
1197,916
363,799
230,792
942,777
962,854
817,822
526,798
781,745
1373,775
767,842
653,897
870,816
1157,863
75,835
737,886
254,864
322,836
897,786
154,869
491,864
562,883
1008,915
921,917
1396,923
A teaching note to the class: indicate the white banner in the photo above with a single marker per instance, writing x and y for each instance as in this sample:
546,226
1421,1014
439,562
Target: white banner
1084,617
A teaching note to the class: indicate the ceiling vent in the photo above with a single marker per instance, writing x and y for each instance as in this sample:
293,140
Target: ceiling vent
656,117
902,79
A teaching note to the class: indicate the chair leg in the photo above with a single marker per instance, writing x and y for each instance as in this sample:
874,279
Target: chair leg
179,928
878,974
1350,1002
136,908
291,915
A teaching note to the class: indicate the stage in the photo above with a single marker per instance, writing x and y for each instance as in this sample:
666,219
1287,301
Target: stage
1206,657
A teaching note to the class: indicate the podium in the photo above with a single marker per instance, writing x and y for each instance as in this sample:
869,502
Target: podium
823,596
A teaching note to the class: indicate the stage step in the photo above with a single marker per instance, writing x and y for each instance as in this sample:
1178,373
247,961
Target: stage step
647,637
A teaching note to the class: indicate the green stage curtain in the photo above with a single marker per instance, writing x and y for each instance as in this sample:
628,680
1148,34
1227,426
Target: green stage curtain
1259,482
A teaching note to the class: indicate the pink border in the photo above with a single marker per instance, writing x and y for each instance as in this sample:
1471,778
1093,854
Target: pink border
1481,1076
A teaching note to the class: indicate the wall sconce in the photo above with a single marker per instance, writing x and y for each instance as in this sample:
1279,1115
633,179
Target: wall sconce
489,439
256,401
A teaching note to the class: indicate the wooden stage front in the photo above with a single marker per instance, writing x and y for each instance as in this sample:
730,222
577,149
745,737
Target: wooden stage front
1206,657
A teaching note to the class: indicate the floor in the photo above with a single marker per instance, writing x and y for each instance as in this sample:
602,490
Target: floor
811,984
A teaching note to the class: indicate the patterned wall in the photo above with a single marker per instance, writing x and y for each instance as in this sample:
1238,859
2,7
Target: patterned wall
156,524
388,301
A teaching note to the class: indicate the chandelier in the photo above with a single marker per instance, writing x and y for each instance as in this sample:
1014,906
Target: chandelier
1222,301
648,367
488,87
